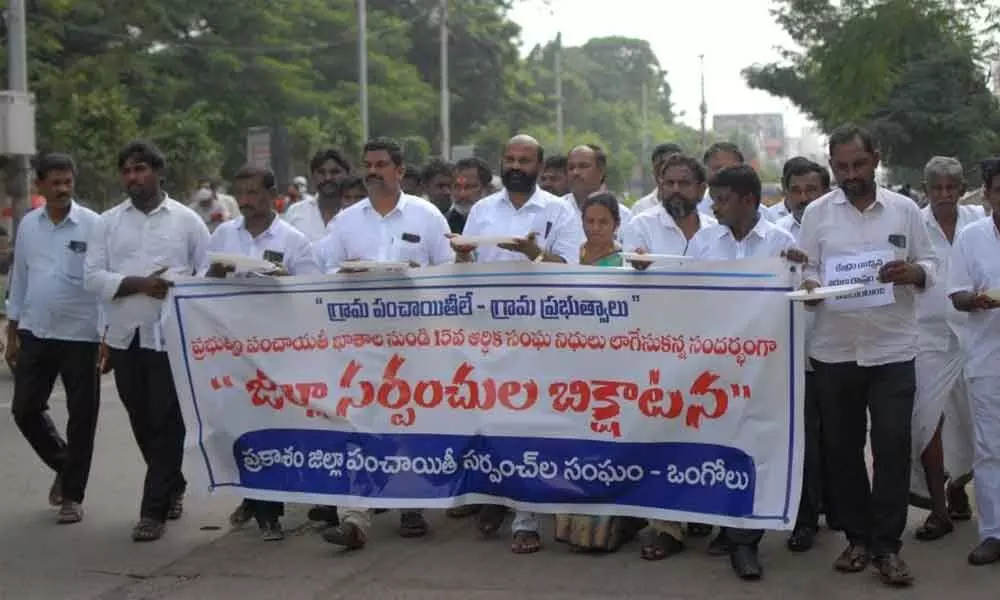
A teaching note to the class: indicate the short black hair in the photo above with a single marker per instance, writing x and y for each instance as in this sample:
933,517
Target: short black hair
350,182
728,147
387,145
144,152
741,179
555,163
54,161
483,172
328,154
682,160
799,166
266,176
662,150
434,168
989,169
606,200
845,134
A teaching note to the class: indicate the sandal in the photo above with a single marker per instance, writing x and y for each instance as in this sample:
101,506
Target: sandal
55,492
853,559
412,525
176,508
147,530
893,571
347,535
935,527
526,542
491,518
659,545
959,508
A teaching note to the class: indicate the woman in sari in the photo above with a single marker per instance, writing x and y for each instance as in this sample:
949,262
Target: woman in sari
587,533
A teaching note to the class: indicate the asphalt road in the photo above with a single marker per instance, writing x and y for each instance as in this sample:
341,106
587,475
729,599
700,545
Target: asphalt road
199,557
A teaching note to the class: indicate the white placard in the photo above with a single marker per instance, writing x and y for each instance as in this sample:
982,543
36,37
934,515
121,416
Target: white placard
860,268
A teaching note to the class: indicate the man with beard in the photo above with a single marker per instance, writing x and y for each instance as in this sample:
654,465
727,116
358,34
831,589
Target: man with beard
587,168
652,199
863,348
52,332
134,245
547,230
313,215
553,178
942,424
260,234
472,181
389,225
437,180
668,229
741,233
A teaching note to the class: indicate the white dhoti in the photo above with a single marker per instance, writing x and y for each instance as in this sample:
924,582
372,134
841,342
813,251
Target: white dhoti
941,392
984,394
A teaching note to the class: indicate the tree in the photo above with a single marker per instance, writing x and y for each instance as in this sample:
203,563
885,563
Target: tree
881,64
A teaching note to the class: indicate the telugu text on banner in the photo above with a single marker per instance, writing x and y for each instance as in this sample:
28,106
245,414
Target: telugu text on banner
665,394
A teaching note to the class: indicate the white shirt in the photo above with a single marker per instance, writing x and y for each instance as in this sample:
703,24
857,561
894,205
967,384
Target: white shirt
128,242
789,224
656,232
414,231
778,211
47,296
305,216
936,316
624,214
280,243
832,227
716,242
650,200
975,267
557,226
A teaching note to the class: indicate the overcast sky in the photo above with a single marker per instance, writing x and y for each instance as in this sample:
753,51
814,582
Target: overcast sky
732,34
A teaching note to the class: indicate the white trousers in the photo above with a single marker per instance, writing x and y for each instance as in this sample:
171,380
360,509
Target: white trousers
985,396
524,521
941,391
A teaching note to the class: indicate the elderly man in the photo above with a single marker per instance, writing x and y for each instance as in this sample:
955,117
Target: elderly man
942,426
587,168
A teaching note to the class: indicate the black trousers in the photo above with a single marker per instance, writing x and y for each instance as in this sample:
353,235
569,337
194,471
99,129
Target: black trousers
872,514
813,465
146,388
39,362
266,511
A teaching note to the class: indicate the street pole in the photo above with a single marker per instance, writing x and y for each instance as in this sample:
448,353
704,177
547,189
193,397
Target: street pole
19,167
559,93
445,93
703,107
363,66
645,127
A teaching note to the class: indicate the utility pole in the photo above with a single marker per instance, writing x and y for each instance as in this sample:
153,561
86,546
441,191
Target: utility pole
559,93
704,106
18,171
363,66
445,92
645,127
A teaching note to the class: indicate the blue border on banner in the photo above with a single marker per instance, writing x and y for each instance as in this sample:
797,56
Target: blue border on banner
784,289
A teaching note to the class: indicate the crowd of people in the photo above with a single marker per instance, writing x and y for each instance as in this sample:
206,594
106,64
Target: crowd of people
86,289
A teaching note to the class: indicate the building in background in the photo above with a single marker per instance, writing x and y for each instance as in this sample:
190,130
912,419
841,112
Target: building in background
766,131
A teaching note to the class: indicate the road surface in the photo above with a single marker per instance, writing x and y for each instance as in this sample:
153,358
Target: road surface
200,559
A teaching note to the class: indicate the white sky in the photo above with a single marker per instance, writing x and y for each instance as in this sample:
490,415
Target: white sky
732,34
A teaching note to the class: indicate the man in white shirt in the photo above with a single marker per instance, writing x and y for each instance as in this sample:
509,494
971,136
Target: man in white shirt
547,229
740,233
805,181
973,284
260,234
668,229
389,225
652,199
863,347
553,178
313,215
587,168
52,332
942,424
722,155
132,247
437,179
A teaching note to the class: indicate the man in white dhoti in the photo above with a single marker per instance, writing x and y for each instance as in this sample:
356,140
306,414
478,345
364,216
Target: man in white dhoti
974,288
942,426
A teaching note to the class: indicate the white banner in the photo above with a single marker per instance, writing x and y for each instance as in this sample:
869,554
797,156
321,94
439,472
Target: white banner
554,388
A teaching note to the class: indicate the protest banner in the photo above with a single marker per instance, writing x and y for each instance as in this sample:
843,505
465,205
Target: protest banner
667,394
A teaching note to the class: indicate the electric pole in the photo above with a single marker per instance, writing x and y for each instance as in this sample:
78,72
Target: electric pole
557,68
445,92
704,106
19,141
363,66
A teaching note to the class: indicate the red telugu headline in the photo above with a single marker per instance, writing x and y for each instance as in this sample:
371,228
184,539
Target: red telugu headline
634,340
705,398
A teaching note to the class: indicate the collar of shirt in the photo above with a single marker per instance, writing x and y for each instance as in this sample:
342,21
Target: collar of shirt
163,205
759,231
271,230
966,215
667,220
73,216
401,203
535,201
839,197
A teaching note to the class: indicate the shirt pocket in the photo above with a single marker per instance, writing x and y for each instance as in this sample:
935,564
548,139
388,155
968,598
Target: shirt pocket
74,255
413,252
